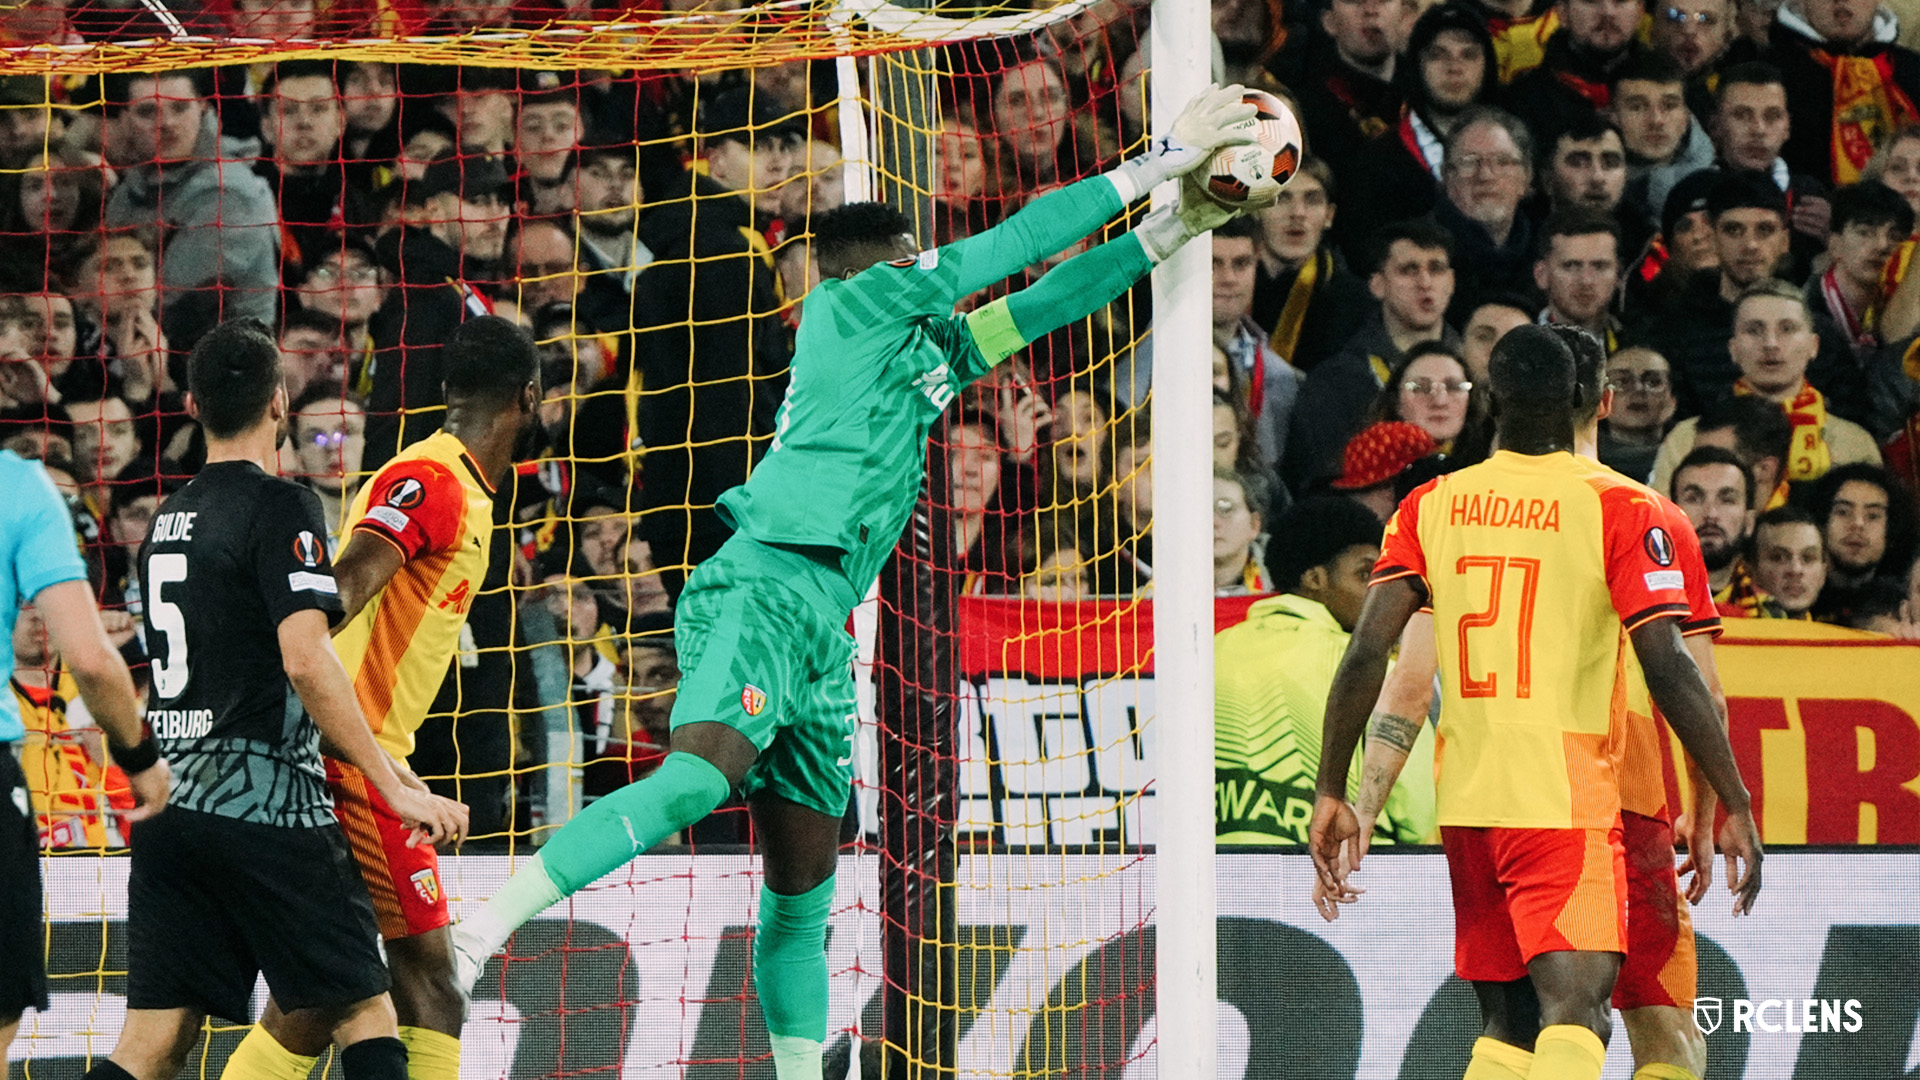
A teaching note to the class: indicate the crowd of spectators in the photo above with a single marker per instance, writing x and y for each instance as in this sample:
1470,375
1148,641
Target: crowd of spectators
1722,191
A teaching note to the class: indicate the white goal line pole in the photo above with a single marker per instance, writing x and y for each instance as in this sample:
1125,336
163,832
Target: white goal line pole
1185,904
857,148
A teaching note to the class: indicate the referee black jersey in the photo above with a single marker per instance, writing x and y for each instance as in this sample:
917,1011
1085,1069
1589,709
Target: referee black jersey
227,558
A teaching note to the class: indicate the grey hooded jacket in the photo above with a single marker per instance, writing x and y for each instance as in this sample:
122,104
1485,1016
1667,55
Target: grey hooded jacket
217,223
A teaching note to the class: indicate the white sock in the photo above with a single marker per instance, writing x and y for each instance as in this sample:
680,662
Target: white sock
526,894
795,1058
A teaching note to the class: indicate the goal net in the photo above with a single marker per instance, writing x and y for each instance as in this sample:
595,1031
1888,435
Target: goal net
635,184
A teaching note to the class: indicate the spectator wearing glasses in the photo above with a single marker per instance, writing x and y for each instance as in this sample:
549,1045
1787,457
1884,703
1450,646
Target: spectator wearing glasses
1022,100
328,433
1432,390
1643,406
1695,36
1239,512
1488,172
343,282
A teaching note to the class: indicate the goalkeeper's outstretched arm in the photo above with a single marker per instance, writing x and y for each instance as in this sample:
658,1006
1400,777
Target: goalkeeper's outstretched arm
1055,221
1090,281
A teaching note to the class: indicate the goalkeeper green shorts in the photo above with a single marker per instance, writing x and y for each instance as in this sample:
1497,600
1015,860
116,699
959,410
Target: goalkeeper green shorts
759,654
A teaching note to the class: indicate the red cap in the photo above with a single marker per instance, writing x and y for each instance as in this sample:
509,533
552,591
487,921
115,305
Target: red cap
1381,453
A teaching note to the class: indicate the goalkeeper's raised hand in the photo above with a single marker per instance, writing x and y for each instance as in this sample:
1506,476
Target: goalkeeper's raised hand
1216,117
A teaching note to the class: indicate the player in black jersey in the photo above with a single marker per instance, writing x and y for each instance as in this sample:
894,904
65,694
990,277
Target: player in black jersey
247,872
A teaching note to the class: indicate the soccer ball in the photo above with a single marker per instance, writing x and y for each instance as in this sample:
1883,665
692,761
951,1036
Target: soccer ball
1252,174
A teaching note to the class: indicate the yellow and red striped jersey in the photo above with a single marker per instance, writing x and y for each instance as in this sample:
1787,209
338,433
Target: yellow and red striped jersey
432,503
1534,565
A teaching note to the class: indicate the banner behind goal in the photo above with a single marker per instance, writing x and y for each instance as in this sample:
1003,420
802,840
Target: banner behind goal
636,186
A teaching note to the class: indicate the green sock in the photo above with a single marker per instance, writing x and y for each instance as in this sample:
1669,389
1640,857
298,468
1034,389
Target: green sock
790,974
617,827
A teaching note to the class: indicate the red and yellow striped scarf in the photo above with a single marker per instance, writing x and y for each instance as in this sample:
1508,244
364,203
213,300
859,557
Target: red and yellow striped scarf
1809,457
1867,106
1741,597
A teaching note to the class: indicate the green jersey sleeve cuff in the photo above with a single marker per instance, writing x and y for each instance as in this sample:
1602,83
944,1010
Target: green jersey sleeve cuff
994,332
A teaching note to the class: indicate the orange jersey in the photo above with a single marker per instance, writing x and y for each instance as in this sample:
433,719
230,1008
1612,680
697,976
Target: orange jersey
1643,773
1534,565
433,504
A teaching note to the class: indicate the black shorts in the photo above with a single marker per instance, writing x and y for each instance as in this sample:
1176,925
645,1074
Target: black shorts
23,957
213,902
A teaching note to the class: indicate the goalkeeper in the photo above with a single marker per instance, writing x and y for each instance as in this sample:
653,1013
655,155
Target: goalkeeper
767,701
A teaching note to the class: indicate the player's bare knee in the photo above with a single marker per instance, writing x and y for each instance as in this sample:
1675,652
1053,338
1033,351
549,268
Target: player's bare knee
304,1031
154,1042
718,745
368,1018
429,999
793,877
1666,1035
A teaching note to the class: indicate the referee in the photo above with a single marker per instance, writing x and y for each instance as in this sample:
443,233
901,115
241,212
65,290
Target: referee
248,873
40,564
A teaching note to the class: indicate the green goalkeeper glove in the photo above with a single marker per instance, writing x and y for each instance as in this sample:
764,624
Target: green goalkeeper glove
1216,117
1166,229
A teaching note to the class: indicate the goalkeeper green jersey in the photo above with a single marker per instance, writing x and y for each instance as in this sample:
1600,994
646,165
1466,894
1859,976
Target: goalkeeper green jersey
879,357
1271,677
